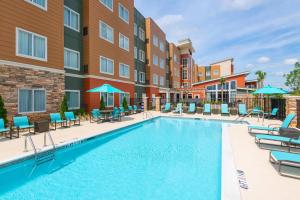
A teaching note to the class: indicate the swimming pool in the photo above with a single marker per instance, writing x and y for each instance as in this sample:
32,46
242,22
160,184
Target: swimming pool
165,158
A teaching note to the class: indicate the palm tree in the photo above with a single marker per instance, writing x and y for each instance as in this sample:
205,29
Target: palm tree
222,82
261,76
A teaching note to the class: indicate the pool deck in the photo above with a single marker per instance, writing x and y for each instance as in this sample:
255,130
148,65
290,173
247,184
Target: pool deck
263,180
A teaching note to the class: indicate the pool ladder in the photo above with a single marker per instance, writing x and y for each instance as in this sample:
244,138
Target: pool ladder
43,157
147,115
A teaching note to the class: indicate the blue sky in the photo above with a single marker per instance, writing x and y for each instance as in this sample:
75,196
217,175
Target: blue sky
258,34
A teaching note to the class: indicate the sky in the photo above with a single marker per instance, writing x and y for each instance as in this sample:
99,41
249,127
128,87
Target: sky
258,34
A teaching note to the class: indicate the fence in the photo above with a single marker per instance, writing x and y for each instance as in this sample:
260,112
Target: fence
298,113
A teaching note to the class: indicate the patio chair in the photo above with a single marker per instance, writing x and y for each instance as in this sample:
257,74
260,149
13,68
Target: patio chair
285,158
207,109
243,110
122,111
166,108
4,130
136,109
22,123
96,116
55,118
270,129
277,138
130,110
70,117
272,114
192,108
224,109
178,108
116,115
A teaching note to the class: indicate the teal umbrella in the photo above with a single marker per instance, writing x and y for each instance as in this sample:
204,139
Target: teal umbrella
269,90
107,88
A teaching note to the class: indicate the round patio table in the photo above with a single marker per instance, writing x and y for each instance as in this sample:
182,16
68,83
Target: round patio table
106,114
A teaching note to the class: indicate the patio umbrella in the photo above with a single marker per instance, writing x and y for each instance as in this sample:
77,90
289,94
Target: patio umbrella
269,90
106,88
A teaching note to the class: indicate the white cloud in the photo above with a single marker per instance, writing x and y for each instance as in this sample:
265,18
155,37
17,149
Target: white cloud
241,4
169,20
290,61
263,59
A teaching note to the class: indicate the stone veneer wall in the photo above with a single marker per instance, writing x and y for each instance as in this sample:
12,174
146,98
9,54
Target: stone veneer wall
291,107
12,78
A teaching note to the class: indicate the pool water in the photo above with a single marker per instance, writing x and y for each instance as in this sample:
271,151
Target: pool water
164,159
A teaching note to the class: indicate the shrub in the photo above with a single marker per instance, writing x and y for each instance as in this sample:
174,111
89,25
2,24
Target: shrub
102,104
3,111
64,106
125,104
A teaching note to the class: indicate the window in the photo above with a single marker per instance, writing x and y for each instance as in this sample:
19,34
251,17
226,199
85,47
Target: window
32,100
200,74
123,42
108,99
108,3
71,59
155,60
135,76
216,72
31,45
135,95
71,19
184,62
127,96
123,70
162,63
155,79
142,77
135,53
162,81
175,58
135,29
155,40
207,73
106,32
162,46
73,99
141,34
39,3
233,85
106,65
123,13
142,55
184,74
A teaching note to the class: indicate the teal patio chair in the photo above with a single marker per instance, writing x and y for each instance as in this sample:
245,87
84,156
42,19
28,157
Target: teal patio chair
224,109
4,130
130,110
270,129
243,110
70,117
207,109
135,109
122,111
116,115
96,116
55,118
192,108
285,158
22,123
272,114
178,108
166,108
277,138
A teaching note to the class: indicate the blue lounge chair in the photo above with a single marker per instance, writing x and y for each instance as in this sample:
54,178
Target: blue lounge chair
224,109
272,114
4,130
55,118
242,110
22,123
270,129
277,138
70,117
167,108
207,109
192,108
285,158
96,116
178,108
130,110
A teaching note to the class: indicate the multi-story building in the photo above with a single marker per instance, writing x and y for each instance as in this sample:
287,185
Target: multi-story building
32,78
139,55
175,78
108,40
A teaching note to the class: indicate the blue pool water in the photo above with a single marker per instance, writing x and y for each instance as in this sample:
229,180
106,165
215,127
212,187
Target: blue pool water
162,159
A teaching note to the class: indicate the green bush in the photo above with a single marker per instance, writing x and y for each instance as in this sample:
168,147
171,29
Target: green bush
64,106
3,111
124,103
102,104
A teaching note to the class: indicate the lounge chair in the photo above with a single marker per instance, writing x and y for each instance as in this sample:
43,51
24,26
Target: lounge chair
167,108
277,138
285,158
70,117
122,111
192,108
207,109
243,110
270,129
22,123
178,108
272,114
136,110
130,110
55,118
224,109
96,116
4,130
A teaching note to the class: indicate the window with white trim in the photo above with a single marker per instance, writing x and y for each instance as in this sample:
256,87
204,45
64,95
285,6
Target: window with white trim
31,45
123,42
175,58
142,55
124,70
108,4
106,65
200,74
135,76
135,53
184,74
108,99
73,99
216,72
141,34
162,81
39,3
127,96
135,29
31,100
71,59
142,77
155,40
155,60
106,32
71,19
162,63
123,13
161,46
155,79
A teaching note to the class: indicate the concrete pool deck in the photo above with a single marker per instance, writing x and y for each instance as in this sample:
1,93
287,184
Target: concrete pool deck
263,180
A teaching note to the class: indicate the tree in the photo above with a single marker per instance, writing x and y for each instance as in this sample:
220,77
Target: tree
3,111
124,103
64,106
261,76
102,104
293,79
222,82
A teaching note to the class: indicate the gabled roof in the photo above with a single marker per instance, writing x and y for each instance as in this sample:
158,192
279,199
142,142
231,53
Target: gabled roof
231,59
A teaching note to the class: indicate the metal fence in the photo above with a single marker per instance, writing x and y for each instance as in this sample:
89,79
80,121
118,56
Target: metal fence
298,113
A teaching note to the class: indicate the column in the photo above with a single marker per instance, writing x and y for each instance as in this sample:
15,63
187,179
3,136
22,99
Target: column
145,102
157,104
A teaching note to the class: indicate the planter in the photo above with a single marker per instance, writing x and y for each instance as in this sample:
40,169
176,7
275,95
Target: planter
199,110
215,111
233,111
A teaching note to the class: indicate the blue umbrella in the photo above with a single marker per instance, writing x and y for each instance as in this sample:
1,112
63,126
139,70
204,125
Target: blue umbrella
269,90
107,88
